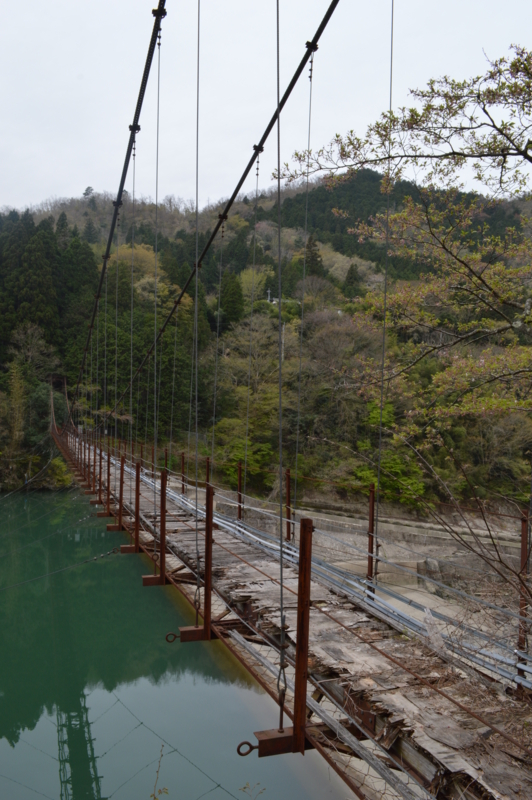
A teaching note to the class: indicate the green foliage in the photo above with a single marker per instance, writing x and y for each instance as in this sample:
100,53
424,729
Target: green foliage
232,300
401,478
352,286
90,233
62,232
374,414
313,260
59,474
231,448
48,276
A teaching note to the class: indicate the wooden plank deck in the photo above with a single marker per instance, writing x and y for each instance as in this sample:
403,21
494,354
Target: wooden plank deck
404,702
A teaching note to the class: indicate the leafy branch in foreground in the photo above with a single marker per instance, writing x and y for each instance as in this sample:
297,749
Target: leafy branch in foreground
471,310
252,791
484,122
158,792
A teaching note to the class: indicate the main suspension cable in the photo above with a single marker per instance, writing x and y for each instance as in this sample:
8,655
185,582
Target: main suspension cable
310,47
159,13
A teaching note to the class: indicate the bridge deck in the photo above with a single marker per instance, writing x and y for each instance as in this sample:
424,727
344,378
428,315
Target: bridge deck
394,718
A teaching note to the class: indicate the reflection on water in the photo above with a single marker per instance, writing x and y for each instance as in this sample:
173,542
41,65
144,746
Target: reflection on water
90,691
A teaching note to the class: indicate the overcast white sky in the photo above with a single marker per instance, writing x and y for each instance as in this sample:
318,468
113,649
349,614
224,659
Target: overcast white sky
71,71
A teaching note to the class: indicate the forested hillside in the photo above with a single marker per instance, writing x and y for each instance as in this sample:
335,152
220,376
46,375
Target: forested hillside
438,431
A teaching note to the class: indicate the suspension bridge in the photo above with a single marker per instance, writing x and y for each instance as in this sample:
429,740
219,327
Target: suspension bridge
402,702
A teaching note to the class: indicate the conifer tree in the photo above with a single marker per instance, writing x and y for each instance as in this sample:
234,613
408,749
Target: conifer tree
352,283
90,234
62,232
313,259
36,298
232,299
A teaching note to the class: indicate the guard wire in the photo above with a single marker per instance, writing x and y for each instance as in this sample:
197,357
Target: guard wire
114,551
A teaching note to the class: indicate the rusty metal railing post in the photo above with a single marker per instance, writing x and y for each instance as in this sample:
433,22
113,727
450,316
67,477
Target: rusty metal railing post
371,531
137,506
239,490
88,465
141,454
523,603
303,622
160,579
162,559
193,633
100,501
208,470
207,578
108,481
288,509
183,473
166,458
94,468
153,461
121,496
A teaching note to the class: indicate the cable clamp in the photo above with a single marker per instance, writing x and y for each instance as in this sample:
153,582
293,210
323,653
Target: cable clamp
312,46
222,217
134,128
159,12
117,204
258,149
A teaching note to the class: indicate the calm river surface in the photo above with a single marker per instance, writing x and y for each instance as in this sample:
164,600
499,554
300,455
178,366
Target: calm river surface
90,691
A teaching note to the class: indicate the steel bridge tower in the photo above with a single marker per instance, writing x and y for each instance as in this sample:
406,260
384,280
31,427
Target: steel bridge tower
78,772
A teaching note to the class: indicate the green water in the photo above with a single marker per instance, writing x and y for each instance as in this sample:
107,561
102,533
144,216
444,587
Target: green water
90,690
